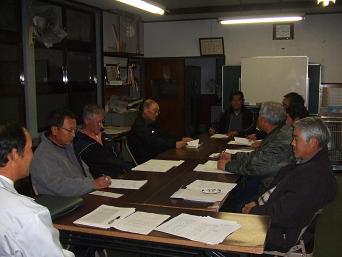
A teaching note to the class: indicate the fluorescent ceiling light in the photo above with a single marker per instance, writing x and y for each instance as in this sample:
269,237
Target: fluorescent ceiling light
275,19
144,6
326,2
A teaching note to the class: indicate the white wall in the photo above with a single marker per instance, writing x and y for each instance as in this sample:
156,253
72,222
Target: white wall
318,36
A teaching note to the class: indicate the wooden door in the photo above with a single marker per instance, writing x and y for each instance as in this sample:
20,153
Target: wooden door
164,82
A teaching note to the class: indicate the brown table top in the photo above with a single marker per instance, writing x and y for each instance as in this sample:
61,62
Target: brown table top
250,238
160,186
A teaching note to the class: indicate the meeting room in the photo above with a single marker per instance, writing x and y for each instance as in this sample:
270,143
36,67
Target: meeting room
168,128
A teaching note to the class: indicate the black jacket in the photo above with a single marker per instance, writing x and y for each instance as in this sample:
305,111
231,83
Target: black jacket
101,159
248,122
146,140
301,190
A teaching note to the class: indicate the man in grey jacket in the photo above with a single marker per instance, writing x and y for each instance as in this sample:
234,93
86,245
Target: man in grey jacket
274,153
55,169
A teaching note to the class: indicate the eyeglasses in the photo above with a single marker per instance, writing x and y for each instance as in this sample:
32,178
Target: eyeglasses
72,131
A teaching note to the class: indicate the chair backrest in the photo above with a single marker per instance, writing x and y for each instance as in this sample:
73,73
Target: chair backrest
299,249
127,151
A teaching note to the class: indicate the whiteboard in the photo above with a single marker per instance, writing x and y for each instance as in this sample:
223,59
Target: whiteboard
269,78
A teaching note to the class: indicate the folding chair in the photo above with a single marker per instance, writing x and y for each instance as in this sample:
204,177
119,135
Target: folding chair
298,250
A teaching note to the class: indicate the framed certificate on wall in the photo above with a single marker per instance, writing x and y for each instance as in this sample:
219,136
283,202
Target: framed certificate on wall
283,31
211,46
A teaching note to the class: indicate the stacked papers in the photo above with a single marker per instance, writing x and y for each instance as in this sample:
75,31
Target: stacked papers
240,141
209,166
204,191
106,194
124,219
158,165
193,144
219,136
140,222
234,151
104,216
127,184
207,230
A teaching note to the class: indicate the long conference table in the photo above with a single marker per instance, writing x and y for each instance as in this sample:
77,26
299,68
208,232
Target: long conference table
154,197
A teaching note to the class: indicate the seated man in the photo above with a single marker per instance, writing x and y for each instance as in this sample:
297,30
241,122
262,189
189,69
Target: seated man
300,189
96,148
55,169
146,139
263,163
292,98
274,153
25,226
295,112
236,120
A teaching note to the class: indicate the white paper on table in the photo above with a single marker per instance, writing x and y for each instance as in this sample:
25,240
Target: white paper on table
202,229
204,184
240,141
214,155
197,195
234,151
104,215
140,222
127,184
154,165
210,166
219,136
193,144
106,194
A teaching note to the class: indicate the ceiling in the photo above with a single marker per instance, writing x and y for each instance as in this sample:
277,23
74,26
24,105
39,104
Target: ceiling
212,9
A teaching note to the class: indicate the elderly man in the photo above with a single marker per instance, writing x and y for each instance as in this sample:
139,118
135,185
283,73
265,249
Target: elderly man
274,152
260,167
147,139
96,148
300,189
25,226
55,169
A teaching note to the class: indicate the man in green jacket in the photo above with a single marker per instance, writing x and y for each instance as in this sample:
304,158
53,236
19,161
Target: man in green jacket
274,153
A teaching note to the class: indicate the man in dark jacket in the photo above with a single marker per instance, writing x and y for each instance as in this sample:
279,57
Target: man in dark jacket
96,148
146,139
237,120
300,189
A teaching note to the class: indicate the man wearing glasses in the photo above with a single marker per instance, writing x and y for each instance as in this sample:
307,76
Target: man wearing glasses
55,169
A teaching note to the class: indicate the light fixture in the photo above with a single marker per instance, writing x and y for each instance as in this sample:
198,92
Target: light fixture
149,7
326,2
274,19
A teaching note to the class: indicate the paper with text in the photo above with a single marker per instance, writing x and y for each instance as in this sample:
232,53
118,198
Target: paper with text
104,215
204,184
154,165
234,151
193,144
140,222
202,229
219,136
127,184
210,166
106,194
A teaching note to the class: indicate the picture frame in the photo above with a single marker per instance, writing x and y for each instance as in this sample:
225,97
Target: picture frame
283,31
211,46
